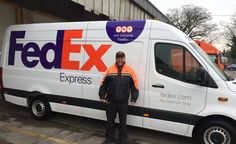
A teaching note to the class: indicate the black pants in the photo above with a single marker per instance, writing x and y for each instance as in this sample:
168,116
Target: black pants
113,108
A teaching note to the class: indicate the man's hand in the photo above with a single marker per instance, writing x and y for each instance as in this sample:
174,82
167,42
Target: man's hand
132,103
103,100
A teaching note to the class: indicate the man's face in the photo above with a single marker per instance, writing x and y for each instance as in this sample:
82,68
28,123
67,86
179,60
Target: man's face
120,61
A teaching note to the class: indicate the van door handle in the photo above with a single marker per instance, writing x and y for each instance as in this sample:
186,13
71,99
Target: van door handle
158,86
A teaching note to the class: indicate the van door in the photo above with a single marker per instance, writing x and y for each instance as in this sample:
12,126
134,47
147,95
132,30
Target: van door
175,96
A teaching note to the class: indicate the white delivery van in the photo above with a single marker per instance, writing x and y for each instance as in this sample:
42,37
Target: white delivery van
58,67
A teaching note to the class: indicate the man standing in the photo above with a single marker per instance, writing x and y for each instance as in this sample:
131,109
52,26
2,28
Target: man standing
118,83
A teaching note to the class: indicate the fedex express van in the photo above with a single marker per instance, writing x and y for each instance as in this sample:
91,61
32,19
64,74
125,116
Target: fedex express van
58,67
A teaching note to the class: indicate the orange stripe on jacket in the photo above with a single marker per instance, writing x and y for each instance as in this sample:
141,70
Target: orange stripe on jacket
126,69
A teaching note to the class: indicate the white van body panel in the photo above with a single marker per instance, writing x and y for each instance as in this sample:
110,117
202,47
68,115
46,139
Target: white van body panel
215,107
72,84
16,100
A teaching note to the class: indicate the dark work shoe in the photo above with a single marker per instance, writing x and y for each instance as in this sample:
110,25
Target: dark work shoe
109,141
122,142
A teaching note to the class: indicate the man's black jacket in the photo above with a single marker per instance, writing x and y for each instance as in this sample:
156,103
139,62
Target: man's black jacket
119,84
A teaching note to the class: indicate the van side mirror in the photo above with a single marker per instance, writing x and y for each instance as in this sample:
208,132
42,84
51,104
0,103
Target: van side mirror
202,77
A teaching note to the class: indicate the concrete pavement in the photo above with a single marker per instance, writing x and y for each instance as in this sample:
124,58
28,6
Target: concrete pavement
17,127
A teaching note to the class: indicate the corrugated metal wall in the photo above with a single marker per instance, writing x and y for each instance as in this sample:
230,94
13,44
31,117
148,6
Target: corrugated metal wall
91,10
8,17
116,9
67,9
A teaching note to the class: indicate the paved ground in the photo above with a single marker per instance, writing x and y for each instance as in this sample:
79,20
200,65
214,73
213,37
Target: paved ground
17,127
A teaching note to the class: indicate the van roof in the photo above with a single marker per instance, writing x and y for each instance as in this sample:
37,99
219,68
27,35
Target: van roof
46,26
167,30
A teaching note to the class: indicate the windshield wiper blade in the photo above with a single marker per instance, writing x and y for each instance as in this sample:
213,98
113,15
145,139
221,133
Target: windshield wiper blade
230,78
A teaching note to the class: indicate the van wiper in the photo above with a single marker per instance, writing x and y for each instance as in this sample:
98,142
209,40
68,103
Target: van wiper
229,78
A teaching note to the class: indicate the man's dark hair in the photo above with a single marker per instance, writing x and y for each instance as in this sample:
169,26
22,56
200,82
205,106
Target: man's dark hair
120,54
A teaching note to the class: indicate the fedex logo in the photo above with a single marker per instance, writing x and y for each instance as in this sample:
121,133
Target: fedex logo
62,49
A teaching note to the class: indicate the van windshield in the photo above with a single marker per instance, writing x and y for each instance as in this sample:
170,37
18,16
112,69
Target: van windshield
209,61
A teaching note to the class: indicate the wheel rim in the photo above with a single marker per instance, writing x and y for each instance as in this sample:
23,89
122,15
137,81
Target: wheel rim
217,135
38,108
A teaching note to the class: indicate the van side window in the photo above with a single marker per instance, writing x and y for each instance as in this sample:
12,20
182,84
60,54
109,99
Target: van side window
176,62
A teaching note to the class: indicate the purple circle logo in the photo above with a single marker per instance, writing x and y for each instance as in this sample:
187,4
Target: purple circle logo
124,31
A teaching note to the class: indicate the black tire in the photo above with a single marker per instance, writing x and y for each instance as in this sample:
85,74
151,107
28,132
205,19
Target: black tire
40,109
216,132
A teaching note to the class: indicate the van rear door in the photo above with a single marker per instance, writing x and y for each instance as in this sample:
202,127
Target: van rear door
175,97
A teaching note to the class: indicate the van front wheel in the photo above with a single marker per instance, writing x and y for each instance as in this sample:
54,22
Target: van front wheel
216,132
40,109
